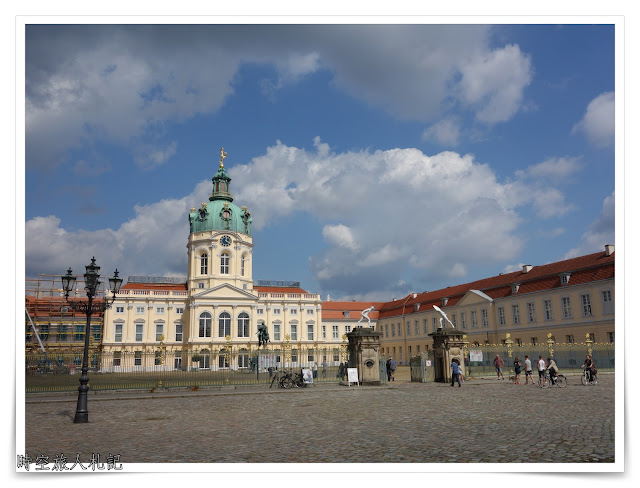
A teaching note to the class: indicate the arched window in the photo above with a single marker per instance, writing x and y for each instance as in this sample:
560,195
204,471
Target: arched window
224,264
224,324
205,325
243,325
204,264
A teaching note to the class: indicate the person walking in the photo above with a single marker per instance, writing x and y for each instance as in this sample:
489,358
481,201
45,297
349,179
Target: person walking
391,368
455,372
541,367
517,368
499,364
315,371
528,372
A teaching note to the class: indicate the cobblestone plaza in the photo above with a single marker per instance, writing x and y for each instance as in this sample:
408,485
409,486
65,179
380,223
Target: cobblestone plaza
485,421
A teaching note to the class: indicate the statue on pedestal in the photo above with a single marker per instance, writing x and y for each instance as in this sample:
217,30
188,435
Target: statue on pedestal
365,314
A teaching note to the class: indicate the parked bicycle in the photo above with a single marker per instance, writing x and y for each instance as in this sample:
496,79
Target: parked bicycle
585,377
559,380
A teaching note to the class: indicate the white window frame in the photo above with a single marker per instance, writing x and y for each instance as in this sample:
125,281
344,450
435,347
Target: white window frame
293,328
139,327
515,313
310,334
204,264
179,332
474,319
335,333
607,302
502,319
224,263
139,309
484,317
531,312
276,332
117,337
585,301
548,309
119,309
566,307
160,328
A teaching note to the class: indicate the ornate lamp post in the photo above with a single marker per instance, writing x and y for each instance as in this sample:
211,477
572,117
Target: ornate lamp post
91,278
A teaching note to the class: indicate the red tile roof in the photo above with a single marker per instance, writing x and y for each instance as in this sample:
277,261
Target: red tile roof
583,269
335,310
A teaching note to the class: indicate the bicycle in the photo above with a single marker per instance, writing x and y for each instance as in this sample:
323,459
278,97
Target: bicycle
298,380
283,380
560,380
585,377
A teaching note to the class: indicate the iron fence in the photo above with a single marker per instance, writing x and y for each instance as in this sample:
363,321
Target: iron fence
192,369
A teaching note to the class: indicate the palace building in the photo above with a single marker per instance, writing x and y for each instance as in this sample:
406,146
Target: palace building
219,308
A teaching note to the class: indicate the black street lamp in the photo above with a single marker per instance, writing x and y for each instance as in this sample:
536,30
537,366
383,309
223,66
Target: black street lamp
91,278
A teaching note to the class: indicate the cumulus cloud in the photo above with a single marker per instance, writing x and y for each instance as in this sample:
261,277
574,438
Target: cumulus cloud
598,122
119,84
445,132
387,217
600,232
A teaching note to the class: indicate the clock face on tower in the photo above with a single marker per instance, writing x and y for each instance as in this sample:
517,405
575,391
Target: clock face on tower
225,241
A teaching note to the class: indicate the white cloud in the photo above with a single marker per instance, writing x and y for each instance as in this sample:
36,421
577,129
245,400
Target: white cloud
598,122
119,84
494,82
445,132
600,232
340,235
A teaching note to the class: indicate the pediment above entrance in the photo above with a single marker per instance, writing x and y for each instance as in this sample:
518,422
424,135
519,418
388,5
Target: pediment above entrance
224,292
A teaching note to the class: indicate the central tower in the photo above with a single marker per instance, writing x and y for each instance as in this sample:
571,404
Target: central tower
220,244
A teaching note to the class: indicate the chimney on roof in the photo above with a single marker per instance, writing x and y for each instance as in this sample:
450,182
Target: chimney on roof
526,268
414,295
609,249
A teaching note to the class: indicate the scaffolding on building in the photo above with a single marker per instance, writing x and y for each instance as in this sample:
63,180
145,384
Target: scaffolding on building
56,326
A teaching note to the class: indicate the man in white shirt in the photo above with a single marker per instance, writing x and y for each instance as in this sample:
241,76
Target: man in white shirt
541,367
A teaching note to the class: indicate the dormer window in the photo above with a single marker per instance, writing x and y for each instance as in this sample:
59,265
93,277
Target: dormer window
445,301
564,278
346,314
515,287
416,307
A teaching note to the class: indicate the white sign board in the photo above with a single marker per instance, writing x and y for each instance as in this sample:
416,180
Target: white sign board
352,375
307,376
428,362
475,356
266,360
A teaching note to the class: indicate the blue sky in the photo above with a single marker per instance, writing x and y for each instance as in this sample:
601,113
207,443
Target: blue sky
376,160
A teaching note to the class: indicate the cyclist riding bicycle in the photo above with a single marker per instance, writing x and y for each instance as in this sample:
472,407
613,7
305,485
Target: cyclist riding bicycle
552,368
589,366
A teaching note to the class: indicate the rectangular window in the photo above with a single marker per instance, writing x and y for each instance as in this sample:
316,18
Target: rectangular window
139,332
474,320
424,326
534,341
393,330
62,333
416,327
586,305
179,310
611,336
453,320
347,329
518,342
159,332
502,320
324,331
485,317
224,264
159,309
178,332
607,302
276,332
548,313
566,308
571,339
463,320
137,358
260,311
334,332
119,309
294,332
309,332
434,324
201,285
515,312
117,358
408,328
294,355
139,309
336,358
309,311
386,330
310,357
531,312
294,311
592,337
276,311
118,336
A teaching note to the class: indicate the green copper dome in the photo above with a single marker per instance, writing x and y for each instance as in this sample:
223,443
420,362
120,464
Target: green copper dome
220,213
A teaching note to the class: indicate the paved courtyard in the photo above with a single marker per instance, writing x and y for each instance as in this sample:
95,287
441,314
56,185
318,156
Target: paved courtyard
484,421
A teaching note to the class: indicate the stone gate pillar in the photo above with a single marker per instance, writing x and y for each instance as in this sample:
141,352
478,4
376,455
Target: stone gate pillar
363,347
448,343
